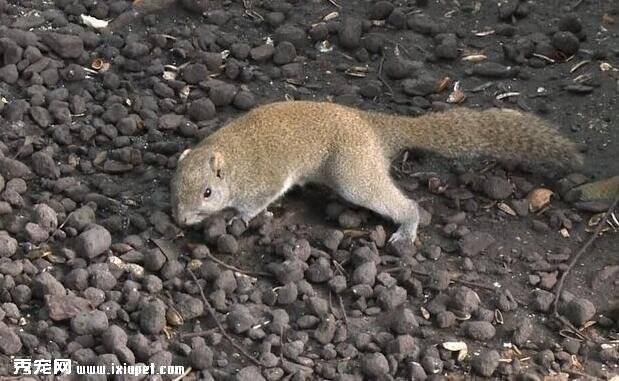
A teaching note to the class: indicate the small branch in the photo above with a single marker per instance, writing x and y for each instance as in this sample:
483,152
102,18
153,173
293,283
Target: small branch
230,267
576,257
460,281
380,75
179,378
190,335
219,326
343,308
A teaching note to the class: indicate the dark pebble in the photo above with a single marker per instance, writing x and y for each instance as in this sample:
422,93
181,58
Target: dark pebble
240,319
93,242
380,10
579,311
350,33
486,363
497,188
479,330
566,42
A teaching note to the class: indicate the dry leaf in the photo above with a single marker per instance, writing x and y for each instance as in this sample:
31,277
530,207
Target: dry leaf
457,95
506,208
93,22
474,57
539,198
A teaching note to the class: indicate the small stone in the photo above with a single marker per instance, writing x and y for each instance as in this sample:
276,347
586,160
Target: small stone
325,331
114,337
350,33
45,217
249,373
570,23
445,319
262,53
423,24
579,311
195,73
447,48
93,242
44,165
479,330
365,273
222,94
403,321
523,331
226,281
566,42
284,53
10,342
497,188
240,319
292,34
465,300
35,233
11,169
226,243
474,243
422,86
374,365
486,363
62,307
201,357
542,300
201,109
287,294
392,297
320,271
432,364
66,46
244,100
9,74
45,284
89,323
380,10
153,317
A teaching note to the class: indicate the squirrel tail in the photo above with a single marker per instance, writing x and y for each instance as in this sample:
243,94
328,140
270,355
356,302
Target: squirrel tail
503,134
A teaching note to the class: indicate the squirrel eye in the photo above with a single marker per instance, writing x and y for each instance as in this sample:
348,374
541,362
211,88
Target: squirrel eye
207,193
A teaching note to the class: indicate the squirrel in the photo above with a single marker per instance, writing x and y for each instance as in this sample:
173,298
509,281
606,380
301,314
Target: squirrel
256,158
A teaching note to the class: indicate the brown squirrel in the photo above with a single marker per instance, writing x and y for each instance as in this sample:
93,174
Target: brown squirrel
253,160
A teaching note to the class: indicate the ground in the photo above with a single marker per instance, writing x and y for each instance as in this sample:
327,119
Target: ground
93,121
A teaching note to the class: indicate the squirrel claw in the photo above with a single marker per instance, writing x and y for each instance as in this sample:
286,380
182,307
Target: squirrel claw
399,236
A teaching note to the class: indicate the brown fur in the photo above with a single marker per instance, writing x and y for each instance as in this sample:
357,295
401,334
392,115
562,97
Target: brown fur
269,149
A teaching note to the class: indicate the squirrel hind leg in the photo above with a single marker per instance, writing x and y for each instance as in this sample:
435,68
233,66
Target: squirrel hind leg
375,190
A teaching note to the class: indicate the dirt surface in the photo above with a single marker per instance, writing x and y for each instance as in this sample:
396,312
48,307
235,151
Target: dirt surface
92,267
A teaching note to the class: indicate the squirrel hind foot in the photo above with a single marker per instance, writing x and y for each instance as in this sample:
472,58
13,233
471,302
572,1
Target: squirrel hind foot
404,234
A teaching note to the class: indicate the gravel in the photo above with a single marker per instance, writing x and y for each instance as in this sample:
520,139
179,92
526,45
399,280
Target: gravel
93,267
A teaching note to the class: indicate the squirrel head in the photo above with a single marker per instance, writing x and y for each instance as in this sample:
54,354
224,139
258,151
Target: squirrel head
199,187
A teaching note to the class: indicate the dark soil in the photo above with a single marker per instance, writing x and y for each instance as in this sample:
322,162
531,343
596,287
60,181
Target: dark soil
92,267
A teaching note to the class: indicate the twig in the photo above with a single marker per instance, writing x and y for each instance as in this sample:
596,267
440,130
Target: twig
230,267
190,335
580,252
380,75
421,273
219,326
341,302
179,378
335,4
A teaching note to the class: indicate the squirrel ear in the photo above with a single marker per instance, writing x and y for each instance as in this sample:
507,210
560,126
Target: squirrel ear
217,163
183,154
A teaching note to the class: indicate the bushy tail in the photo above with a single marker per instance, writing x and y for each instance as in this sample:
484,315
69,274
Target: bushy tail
503,134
